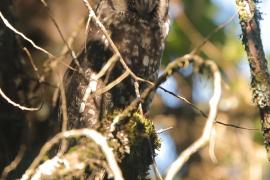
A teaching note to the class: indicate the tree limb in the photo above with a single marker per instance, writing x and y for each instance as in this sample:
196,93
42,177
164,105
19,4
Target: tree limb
249,17
205,137
91,134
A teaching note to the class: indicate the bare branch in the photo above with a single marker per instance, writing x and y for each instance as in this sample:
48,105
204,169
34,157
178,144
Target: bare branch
180,62
109,63
212,145
237,127
89,133
249,17
160,131
12,166
64,144
23,36
204,139
90,92
208,37
115,49
38,76
70,50
185,100
32,63
16,104
112,84
138,95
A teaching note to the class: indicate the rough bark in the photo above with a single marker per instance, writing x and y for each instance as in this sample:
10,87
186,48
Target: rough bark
260,82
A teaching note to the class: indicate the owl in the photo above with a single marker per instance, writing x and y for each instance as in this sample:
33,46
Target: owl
138,28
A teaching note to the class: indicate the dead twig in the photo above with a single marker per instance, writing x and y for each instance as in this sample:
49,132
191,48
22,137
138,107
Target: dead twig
112,84
24,108
110,63
14,163
70,50
89,133
115,49
5,21
208,37
185,100
205,138
64,143
128,111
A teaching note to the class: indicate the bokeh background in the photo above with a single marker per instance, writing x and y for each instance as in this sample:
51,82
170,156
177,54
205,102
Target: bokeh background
240,153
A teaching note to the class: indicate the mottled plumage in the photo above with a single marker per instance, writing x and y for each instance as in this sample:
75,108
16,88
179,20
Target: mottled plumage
138,28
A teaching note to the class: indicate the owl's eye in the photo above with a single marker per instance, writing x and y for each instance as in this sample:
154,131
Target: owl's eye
144,7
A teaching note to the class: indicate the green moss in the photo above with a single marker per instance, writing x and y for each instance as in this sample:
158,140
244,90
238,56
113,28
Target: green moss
134,143
143,141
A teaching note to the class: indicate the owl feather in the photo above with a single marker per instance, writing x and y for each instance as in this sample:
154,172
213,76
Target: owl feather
138,28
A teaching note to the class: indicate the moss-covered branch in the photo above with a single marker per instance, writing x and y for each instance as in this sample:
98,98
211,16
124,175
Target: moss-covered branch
249,17
129,145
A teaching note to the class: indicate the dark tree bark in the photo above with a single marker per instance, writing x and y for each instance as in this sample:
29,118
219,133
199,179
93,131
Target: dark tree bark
143,27
12,120
135,33
17,130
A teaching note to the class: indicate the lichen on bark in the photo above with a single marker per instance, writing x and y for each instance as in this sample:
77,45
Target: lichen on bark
249,17
134,142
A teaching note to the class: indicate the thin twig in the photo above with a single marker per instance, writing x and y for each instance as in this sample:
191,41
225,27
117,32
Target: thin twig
208,37
110,63
160,131
14,163
91,89
23,36
180,62
32,63
203,113
16,104
115,49
64,50
138,95
38,76
212,145
185,100
196,38
64,143
111,84
237,127
70,50
89,133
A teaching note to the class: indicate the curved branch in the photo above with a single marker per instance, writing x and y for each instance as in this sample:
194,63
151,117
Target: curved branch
5,21
205,138
16,104
91,134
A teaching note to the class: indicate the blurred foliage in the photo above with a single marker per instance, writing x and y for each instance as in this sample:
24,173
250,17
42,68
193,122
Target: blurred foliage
178,43
236,149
